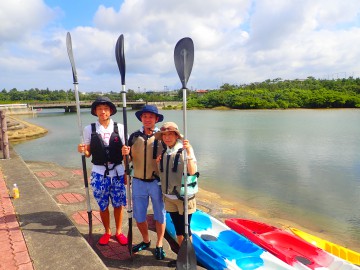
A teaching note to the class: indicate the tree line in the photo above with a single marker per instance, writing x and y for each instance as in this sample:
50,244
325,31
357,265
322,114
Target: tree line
269,94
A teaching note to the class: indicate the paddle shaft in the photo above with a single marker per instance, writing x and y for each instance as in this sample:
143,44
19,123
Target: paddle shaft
127,172
83,158
186,215
184,57
120,59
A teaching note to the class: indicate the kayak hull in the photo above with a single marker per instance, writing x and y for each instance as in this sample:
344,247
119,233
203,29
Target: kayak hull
218,247
337,250
287,246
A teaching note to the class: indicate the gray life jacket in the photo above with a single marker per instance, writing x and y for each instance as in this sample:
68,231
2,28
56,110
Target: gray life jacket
172,176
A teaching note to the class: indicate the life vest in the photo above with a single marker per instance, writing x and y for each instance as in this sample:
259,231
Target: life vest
103,155
172,176
144,150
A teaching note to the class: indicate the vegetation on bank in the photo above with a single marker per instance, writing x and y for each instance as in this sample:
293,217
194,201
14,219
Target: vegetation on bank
270,94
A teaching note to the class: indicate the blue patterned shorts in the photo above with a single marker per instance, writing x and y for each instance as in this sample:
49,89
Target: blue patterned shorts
105,188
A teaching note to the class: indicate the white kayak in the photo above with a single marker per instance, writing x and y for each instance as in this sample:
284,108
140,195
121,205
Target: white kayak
218,247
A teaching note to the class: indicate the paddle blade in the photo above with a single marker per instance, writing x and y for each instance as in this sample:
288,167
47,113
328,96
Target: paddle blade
71,56
184,59
186,258
120,57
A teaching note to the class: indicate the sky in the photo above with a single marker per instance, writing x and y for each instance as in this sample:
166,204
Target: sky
236,42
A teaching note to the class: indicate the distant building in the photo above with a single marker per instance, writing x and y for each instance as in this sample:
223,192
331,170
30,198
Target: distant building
200,92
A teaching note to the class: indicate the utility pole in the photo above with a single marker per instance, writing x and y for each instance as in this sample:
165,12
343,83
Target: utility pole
4,136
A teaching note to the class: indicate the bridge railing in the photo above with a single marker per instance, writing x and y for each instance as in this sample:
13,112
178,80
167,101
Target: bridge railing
70,106
73,103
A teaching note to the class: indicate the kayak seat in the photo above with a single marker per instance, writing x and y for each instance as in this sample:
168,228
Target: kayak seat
200,222
238,242
206,254
243,260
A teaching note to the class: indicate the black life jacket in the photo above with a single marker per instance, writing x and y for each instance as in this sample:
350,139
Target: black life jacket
103,155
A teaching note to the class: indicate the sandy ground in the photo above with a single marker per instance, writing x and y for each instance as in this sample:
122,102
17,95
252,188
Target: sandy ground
207,201
19,130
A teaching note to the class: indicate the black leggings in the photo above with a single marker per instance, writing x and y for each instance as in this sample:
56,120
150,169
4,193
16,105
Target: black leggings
179,223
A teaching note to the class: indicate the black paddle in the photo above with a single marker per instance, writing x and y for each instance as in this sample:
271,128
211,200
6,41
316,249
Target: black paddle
120,59
83,158
184,59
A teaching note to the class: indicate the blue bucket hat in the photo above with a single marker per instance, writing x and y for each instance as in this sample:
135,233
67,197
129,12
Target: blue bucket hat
150,109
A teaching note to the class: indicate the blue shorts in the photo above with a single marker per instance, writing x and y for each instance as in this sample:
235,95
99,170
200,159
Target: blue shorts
141,191
107,187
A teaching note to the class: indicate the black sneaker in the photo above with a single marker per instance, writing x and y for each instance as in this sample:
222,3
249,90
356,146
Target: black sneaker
141,246
159,253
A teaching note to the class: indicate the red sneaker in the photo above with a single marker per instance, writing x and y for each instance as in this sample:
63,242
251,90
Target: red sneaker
122,239
104,240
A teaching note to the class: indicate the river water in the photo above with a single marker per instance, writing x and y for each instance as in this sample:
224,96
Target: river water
298,165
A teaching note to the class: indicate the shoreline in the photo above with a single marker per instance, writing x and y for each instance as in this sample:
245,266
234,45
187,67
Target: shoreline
222,209
208,201
19,130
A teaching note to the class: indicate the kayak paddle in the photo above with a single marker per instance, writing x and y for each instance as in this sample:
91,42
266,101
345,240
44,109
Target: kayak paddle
184,59
83,158
120,59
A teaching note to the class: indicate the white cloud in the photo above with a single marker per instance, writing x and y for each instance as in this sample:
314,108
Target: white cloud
21,18
236,41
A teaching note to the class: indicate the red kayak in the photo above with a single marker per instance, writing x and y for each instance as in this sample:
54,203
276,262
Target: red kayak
287,246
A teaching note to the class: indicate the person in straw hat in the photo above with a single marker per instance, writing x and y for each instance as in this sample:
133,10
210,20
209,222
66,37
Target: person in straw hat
171,171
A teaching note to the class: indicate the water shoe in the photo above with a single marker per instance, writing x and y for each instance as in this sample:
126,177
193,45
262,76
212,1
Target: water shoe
141,246
121,239
159,253
104,240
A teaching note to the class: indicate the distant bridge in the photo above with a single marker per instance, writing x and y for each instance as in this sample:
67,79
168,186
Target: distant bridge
70,106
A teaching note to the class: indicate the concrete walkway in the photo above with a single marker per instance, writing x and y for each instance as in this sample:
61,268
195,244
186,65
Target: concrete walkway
47,227
52,240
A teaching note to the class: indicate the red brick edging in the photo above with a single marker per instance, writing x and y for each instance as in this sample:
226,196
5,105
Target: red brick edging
13,249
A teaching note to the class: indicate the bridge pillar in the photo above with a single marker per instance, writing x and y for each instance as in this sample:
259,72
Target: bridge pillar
136,106
72,109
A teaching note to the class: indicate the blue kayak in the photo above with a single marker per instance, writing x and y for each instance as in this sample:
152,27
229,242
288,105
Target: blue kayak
218,247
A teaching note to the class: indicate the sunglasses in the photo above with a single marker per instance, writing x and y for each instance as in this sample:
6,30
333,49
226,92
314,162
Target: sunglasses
163,129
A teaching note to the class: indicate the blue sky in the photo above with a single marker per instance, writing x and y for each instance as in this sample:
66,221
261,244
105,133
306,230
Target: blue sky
236,42
78,12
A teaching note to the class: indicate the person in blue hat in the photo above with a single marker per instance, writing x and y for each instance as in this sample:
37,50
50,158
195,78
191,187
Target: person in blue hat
103,141
143,150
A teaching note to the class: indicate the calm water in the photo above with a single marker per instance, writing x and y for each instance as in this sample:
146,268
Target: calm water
300,165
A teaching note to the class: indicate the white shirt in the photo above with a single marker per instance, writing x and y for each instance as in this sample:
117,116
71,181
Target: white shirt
105,134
